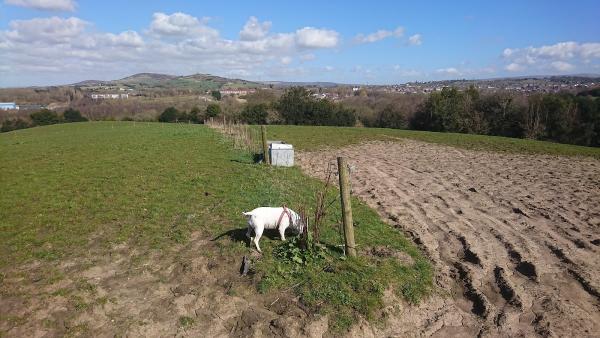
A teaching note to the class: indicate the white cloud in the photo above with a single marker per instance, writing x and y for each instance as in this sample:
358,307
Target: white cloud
45,5
286,60
127,38
379,35
514,67
507,52
254,30
399,32
65,47
415,40
562,66
451,71
180,24
309,37
52,29
561,56
590,50
406,72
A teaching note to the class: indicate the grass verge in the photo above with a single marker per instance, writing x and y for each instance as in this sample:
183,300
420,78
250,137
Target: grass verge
310,138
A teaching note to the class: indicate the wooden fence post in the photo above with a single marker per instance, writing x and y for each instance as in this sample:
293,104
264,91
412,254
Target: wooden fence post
346,207
263,131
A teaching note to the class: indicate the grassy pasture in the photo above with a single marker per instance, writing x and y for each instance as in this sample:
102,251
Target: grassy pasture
306,138
75,190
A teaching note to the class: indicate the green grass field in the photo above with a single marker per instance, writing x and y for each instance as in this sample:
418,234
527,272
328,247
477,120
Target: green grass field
307,138
75,190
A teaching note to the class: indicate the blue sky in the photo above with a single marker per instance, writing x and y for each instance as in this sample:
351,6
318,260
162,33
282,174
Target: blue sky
378,42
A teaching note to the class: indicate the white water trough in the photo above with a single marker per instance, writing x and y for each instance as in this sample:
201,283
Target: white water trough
281,154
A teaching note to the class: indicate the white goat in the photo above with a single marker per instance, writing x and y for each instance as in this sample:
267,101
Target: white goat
280,218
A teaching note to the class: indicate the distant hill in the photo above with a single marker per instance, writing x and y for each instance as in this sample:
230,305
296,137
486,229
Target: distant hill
206,82
164,81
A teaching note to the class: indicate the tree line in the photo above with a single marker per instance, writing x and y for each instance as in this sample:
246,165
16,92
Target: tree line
296,106
560,117
43,117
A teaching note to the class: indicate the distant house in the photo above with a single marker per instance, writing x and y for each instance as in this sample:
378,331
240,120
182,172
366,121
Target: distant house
236,91
8,106
31,106
109,96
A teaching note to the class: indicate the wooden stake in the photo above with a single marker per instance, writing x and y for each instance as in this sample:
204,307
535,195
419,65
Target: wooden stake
263,131
346,207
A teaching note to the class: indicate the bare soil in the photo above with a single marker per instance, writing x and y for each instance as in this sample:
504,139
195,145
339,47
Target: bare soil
188,291
514,238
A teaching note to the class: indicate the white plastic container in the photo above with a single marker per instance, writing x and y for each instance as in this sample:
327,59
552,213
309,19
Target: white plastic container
281,154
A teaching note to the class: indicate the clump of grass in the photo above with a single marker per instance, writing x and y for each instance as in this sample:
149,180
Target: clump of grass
84,285
78,330
186,322
79,304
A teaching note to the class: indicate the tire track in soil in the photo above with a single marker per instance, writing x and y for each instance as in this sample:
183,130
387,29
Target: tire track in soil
514,238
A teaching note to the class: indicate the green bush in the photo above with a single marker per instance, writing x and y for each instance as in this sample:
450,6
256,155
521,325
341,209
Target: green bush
255,114
297,106
390,117
44,117
170,114
13,124
213,110
216,94
196,115
72,115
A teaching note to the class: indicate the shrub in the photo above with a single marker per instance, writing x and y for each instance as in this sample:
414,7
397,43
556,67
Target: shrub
170,114
195,115
296,106
21,124
10,125
216,94
72,115
44,117
255,114
390,117
183,117
213,110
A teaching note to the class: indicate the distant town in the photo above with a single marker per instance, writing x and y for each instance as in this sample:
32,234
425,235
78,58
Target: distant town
204,86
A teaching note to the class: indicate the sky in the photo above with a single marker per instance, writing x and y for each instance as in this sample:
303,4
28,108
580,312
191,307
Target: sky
47,42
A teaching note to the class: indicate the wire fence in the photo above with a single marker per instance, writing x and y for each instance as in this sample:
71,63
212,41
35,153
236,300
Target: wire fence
243,136
248,138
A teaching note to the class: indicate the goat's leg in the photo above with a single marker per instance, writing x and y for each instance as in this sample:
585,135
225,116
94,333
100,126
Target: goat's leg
258,232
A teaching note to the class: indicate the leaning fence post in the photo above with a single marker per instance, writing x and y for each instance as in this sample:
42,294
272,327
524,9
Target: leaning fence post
263,131
346,207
